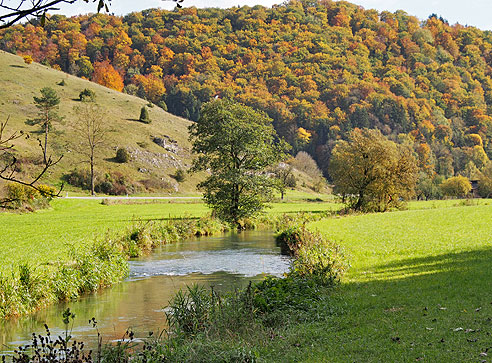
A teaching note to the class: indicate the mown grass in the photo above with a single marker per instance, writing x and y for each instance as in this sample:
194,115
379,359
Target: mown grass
419,289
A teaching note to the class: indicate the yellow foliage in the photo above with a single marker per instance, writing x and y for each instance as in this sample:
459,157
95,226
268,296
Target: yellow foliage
27,59
303,134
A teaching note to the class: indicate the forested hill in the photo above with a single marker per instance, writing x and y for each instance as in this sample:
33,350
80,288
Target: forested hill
318,68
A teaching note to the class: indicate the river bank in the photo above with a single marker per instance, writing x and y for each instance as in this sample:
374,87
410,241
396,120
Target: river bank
225,261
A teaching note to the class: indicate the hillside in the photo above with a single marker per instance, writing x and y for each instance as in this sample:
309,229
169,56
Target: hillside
150,164
318,68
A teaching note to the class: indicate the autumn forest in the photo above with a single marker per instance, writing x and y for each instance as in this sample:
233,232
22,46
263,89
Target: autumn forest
318,68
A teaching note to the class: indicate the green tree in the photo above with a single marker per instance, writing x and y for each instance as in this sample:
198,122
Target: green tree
371,172
144,115
456,186
428,186
236,143
47,105
485,181
284,178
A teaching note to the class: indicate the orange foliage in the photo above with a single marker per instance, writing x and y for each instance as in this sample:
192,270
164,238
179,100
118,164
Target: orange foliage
106,75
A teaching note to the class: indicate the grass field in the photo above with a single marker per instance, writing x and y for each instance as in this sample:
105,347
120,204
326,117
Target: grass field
46,235
419,289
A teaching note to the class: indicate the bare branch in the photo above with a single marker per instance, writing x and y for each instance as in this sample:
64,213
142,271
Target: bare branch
11,14
7,173
4,143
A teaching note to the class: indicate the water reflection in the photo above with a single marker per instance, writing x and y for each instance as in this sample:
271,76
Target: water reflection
225,262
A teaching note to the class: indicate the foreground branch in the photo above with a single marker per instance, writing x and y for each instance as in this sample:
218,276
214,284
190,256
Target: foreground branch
7,173
13,11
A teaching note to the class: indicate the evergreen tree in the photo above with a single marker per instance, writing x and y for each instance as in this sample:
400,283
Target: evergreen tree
47,105
144,115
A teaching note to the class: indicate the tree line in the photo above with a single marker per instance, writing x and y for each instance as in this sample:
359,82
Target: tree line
319,69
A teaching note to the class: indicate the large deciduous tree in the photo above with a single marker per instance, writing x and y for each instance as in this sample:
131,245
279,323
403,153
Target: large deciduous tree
372,173
236,144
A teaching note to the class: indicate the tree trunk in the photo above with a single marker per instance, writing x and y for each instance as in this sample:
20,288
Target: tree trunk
358,205
46,129
235,205
92,174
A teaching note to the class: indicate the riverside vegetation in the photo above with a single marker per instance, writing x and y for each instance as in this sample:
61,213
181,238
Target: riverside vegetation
37,280
198,316
93,265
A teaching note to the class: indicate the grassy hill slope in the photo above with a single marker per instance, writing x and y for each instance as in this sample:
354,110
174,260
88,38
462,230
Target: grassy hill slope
19,82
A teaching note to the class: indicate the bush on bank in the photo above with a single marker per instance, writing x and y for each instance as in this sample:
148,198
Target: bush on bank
202,320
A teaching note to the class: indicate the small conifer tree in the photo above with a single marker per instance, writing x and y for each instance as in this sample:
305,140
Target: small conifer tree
144,115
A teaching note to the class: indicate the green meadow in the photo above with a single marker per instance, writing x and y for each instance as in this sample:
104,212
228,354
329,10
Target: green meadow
419,286
419,289
46,235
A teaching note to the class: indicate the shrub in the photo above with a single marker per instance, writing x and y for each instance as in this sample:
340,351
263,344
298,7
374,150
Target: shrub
485,187
144,115
154,184
47,191
122,155
27,59
22,196
162,105
456,186
179,176
112,183
79,178
313,255
87,95
428,187
115,183
131,89
318,184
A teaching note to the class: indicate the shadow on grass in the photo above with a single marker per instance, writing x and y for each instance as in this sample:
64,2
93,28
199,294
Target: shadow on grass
137,120
17,66
112,160
450,263
437,307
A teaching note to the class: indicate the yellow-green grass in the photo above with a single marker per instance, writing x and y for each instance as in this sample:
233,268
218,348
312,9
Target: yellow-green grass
46,235
19,82
419,289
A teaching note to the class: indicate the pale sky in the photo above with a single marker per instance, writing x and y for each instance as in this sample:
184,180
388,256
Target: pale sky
472,12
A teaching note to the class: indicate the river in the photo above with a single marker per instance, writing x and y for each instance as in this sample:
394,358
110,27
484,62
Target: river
225,262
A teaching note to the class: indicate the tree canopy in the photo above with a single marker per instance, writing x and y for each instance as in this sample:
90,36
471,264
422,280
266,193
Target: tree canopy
47,105
236,144
319,69
371,172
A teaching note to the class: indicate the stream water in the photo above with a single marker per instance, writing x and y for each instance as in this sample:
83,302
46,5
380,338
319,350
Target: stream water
225,262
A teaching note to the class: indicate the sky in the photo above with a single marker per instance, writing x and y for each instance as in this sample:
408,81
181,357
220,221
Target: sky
472,12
